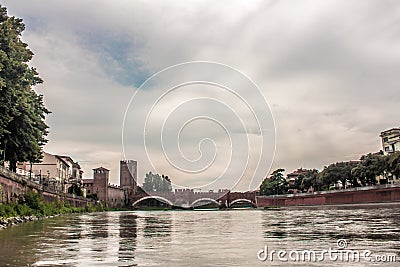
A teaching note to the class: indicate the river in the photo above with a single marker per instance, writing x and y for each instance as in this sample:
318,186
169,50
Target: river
204,238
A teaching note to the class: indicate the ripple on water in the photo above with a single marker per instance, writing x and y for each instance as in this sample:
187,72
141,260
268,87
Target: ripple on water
197,238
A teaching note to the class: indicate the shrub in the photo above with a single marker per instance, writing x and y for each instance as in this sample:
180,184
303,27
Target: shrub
33,199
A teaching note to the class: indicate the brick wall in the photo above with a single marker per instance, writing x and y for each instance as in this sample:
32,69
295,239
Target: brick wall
12,186
378,195
116,197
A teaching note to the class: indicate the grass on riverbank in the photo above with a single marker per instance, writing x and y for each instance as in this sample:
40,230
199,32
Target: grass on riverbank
32,205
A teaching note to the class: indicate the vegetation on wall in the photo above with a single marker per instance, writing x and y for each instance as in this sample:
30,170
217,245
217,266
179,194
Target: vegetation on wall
76,190
32,204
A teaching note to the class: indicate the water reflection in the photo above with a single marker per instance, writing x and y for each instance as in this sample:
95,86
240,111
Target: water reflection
376,228
127,241
15,241
197,238
155,227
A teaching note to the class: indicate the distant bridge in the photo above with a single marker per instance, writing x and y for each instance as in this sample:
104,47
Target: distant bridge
189,199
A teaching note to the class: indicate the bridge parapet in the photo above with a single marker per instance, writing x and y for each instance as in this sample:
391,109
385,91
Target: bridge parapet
190,198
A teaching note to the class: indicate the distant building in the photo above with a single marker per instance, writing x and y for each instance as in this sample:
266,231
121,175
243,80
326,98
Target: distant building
77,173
69,162
292,177
52,171
128,174
128,179
55,171
390,140
111,195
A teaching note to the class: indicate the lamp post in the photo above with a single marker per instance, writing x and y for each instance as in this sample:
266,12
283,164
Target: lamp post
4,152
30,171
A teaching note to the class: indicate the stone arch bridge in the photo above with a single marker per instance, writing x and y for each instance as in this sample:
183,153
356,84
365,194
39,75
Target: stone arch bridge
187,198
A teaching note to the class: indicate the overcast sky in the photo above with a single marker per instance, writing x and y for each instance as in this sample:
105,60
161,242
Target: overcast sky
328,69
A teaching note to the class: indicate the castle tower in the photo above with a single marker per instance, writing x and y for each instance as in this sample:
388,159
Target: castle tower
100,183
128,175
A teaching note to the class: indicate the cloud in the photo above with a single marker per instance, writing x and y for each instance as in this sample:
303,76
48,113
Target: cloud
329,69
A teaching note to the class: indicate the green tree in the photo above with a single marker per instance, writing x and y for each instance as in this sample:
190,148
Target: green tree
306,180
156,183
75,189
369,167
148,185
22,112
275,184
337,172
359,174
165,184
393,163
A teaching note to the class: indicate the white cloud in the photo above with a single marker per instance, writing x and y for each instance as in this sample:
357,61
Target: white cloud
329,69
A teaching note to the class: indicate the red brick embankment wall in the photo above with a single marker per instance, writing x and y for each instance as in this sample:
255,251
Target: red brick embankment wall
12,186
376,195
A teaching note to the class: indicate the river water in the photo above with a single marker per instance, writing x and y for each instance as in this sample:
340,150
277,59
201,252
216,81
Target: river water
205,238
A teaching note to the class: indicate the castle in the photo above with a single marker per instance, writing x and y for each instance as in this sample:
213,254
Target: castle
113,195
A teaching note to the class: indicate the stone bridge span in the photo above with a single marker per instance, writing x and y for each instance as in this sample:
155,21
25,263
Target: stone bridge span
189,198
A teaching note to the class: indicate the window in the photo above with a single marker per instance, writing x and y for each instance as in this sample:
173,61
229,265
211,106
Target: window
387,148
385,139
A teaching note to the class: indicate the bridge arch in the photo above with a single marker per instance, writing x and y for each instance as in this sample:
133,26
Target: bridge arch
203,199
242,200
162,199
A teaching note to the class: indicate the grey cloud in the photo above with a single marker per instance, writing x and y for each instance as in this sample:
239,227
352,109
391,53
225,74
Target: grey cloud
329,69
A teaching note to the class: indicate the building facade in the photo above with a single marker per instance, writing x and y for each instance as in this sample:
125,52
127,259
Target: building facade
99,186
51,171
128,179
390,140
54,171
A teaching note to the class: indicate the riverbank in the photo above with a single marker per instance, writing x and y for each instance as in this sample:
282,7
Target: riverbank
31,207
12,221
12,217
346,206
355,196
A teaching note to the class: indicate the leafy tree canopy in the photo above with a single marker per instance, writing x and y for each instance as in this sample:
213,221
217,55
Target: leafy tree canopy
369,167
393,163
306,180
22,111
157,183
338,172
275,184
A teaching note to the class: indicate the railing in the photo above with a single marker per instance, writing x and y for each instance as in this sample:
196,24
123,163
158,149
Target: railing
23,180
18,178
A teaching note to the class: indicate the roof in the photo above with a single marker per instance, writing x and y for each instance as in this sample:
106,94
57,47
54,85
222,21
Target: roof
101,169
66,158
60,158
128,161
390,131
76,165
